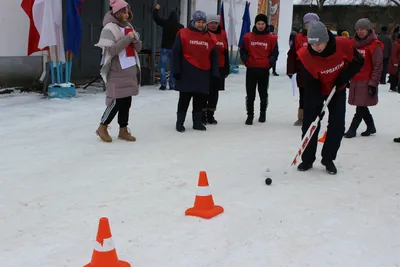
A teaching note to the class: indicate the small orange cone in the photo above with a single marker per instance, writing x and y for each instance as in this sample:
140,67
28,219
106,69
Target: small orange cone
204,206
104,253
323,138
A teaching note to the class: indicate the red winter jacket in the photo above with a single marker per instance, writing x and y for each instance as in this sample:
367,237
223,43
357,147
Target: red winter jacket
394,58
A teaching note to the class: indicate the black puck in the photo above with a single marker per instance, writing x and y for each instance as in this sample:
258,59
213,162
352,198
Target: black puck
268,181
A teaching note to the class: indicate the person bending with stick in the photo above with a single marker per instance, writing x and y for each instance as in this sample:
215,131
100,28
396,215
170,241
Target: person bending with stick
329,63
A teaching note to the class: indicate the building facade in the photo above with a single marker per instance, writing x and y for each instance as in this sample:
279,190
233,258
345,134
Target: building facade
17,69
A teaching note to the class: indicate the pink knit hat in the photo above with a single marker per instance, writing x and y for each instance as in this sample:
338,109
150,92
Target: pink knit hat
117,5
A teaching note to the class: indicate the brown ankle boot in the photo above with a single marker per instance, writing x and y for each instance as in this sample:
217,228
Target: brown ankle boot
124,134
299,121
103,133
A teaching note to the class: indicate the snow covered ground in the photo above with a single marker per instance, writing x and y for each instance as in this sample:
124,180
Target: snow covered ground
57,179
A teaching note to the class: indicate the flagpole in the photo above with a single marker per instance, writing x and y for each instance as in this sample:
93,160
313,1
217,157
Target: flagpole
51,66
219,6
66,66
58,65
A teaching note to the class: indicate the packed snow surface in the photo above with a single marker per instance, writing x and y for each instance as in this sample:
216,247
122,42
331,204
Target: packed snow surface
57,179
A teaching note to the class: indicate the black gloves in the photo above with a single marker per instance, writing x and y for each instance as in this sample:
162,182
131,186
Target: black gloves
371,90
177,76
290,75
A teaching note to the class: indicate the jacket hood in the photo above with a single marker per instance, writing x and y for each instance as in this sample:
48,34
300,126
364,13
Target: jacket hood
109,17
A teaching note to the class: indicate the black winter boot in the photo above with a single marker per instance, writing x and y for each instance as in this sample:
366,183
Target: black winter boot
250,112
329,166
210,117
263,110
369,120
180,120
197,124
396,140
352,131
204,117
262,117
304,166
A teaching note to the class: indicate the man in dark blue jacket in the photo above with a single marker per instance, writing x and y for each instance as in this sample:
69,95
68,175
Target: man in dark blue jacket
170,26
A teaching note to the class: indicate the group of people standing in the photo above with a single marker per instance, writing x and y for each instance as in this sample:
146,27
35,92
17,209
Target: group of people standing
324,62
321,61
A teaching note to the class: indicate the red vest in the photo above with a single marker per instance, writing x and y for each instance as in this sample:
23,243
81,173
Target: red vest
327,69
196,47
300,41
259,48
367,51
222,45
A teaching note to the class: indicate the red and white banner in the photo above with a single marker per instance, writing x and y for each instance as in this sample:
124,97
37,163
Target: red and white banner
274,14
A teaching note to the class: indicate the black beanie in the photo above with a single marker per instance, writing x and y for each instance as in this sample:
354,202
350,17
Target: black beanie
261,17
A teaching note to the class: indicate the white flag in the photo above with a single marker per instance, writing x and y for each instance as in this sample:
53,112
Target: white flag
47,16
232,40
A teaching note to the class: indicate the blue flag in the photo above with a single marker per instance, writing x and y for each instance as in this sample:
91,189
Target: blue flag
246,22
73,26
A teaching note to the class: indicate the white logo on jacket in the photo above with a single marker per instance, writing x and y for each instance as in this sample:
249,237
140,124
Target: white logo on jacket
305,44
259,44
334,69
202,43
362,52
221,44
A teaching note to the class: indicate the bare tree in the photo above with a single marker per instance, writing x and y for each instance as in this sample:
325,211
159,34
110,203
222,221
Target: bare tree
320,3
396,2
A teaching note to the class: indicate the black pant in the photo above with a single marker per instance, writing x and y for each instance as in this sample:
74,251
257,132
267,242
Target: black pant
211,101
254,77
394,82
336,125
365,115
184,101
120,106
384,71
362,111
301,97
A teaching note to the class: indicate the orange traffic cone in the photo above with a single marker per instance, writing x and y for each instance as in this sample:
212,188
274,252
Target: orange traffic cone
323,138
204,206
104,253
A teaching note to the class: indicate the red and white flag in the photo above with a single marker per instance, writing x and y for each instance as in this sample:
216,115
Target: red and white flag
47,17
33,39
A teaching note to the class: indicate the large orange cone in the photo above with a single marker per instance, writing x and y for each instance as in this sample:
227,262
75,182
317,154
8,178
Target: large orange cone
104,253
204,206
323,138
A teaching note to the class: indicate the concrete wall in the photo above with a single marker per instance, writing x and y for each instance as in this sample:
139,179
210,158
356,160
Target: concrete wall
15,67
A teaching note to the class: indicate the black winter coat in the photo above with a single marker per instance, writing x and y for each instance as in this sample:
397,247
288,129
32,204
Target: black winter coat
170,27
189,78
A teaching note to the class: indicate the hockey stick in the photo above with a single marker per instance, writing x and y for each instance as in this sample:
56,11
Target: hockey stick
311,130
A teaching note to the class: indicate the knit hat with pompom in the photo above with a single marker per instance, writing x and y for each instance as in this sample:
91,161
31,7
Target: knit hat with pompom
117,5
